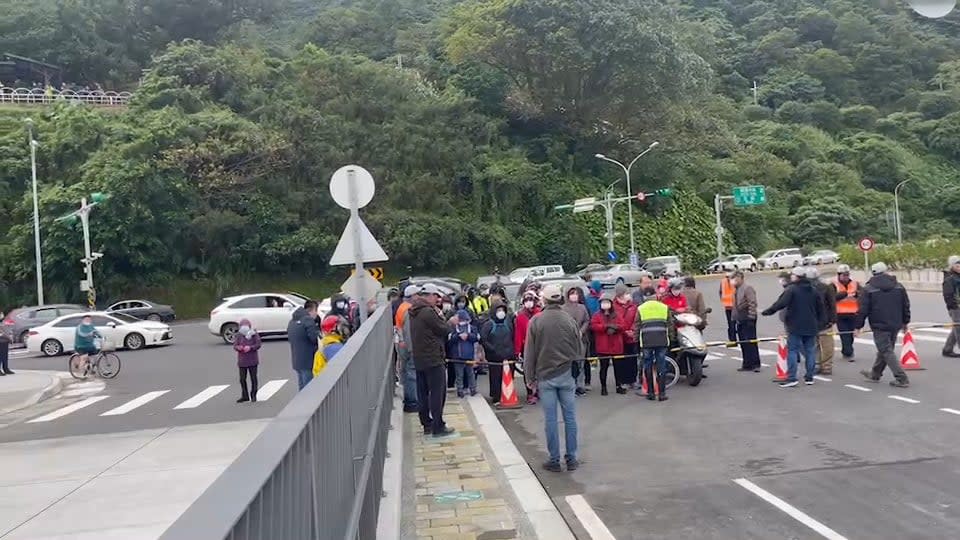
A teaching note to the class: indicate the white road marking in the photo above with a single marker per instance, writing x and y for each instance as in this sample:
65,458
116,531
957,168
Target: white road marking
790,510
201,397
588,518
951,411
135,403
904,399
944,331
711,356
68,409
860,388
764,365
765,352
269,389
822,378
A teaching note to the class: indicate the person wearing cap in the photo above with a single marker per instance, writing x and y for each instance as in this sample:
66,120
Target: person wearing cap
406,370
574,306
428,334
825,344
462,344
607,329
530,309
553,343
848,303
496,337
745,316
727,292
626,371
804,313
885,304
951,297
653,331
674,297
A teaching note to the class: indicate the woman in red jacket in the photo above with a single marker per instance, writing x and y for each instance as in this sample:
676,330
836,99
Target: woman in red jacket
531,308
626,370
607,328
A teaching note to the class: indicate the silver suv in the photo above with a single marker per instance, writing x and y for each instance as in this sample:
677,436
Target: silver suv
18,322
781,258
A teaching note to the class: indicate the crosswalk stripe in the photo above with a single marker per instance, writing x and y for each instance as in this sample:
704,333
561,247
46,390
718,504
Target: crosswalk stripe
951,411
822,378
860,388
268,390
63,411
944,331
204,395
904,399
134,403
765,352
711,356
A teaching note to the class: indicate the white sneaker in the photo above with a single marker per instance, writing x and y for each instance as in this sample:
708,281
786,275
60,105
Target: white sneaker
808,383
789,384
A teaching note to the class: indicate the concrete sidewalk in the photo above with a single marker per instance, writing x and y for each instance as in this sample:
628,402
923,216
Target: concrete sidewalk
28,387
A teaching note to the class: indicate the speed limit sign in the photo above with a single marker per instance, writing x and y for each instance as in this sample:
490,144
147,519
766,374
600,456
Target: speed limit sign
866,244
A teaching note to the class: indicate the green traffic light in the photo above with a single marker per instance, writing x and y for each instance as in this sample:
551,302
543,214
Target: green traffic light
665,192
99,197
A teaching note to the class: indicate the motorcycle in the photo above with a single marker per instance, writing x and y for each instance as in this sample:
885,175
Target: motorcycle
690,358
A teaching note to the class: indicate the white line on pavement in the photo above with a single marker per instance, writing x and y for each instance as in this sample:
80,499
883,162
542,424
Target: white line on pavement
588,518
764,365
68,409
134,403
951,411
764,352
268,390
944,331
711,356
822,378
790,510
204,395
860,388
904,399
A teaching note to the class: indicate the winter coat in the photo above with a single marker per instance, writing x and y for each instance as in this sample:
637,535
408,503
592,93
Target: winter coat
459,348
804,307
828,292
428,334
522,324
885,302
303,335
497,336
330,345
593,297
628,318
677,304
696,304
951,290
581,316
744,304
553,343
607,344
251,356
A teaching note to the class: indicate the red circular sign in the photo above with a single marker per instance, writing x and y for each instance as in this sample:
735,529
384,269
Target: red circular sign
866,244
641,196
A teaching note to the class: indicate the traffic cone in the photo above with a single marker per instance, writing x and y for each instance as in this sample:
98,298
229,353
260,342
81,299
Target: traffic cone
781,366
508,394
643,383
909,360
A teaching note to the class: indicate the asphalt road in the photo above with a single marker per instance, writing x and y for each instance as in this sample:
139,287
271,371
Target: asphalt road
190,373
740,458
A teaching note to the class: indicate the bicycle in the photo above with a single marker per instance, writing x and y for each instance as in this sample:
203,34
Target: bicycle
105,364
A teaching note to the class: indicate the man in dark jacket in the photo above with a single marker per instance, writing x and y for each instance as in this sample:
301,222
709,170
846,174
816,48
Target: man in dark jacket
886,304
951,297
303,335
496,336
744,313
428,336
825,344
805,311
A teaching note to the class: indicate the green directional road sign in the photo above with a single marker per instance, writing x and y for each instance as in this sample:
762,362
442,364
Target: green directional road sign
749,195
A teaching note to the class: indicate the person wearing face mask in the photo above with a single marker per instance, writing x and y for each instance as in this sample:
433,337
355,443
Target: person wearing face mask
247,345
462,303
848,302
530,310
340,306
462,341
574,306
497,339
674,297
607,329
626,370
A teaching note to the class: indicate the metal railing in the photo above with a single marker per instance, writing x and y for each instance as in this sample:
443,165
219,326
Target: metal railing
42,96
316,470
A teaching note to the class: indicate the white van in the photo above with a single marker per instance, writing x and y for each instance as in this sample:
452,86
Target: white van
546,271
776,259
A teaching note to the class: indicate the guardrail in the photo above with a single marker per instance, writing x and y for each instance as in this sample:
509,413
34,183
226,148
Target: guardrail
41,96
316,470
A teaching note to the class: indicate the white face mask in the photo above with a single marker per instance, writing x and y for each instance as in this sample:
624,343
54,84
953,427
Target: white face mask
606,306
244,330
341,305
501,315
575,298
447,306
528,304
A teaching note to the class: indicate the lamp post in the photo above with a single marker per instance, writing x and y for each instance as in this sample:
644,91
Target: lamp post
896,205
626,171
36,212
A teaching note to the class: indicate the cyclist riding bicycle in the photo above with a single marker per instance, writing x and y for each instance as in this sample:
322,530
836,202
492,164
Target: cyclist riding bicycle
84,341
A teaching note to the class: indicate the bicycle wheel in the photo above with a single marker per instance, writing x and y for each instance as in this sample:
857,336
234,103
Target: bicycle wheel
672,372
76,367
108,365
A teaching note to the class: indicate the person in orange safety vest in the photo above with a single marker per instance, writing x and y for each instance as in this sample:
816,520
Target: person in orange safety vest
848,301
727,293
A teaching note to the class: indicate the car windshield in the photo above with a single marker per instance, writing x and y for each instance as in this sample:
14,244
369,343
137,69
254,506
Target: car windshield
124,317
299,297
767,254
731,257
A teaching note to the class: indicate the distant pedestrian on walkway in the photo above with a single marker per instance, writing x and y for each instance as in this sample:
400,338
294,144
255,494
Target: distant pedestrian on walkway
825,344
496,336
804,311
5,339
848,304
462,344
745,316
247,344
428,335
303,334
406,371
885,304
951,297
553,343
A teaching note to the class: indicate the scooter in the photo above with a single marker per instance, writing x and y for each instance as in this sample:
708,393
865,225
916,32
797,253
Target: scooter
693,351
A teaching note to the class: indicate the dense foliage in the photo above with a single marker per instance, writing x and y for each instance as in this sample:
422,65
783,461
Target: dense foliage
476,118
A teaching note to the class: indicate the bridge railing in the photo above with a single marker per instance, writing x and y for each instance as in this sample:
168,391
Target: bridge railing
42,96
315,472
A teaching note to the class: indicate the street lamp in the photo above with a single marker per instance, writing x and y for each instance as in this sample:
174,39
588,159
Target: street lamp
36,212
626,170
896,205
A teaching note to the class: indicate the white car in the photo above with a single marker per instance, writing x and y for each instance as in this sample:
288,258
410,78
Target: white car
269,313
57,336
776,259
626,274
671,264
821,256
518,275
736,262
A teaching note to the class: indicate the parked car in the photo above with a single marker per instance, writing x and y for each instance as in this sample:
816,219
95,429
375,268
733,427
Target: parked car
671,264
565,282
490,280
822,256
144,309
56,337
19,321
780,258
518,274
708,268
627,274
744,261
586,271
655,268
269,313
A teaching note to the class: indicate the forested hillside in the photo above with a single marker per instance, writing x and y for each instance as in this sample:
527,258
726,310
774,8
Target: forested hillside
476,118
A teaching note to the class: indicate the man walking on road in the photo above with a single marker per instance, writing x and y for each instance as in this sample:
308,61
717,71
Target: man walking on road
848,303
303,335
951,296
745,316
553,343
727,293
428,337
804,311
825,345
885,303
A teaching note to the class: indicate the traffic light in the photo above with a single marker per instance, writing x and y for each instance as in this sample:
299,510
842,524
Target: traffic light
665,192
99,197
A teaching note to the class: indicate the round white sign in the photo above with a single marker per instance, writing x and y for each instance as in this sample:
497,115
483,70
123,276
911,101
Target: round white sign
362,181
933,9
865,244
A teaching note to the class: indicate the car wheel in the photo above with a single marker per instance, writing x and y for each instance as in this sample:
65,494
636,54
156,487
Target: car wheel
23,336
620,281
51,347
753,267
775,266
134,342
154,317
229,332
796,263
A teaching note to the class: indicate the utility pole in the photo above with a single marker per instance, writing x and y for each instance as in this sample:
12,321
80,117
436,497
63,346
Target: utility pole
626,171
718,208
896,205
88,256
36,213
755,93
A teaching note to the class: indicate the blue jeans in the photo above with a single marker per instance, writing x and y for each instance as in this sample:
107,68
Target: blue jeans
655,357
797,345
466,378
560,389
409,378
304,376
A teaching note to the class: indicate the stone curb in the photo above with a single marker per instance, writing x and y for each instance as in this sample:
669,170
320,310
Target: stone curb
54,387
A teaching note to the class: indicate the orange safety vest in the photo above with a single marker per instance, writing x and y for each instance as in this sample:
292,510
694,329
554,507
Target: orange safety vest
727,293
401,313
849,305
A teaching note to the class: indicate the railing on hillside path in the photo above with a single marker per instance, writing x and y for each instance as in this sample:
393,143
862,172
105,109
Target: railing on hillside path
40,96
316,470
